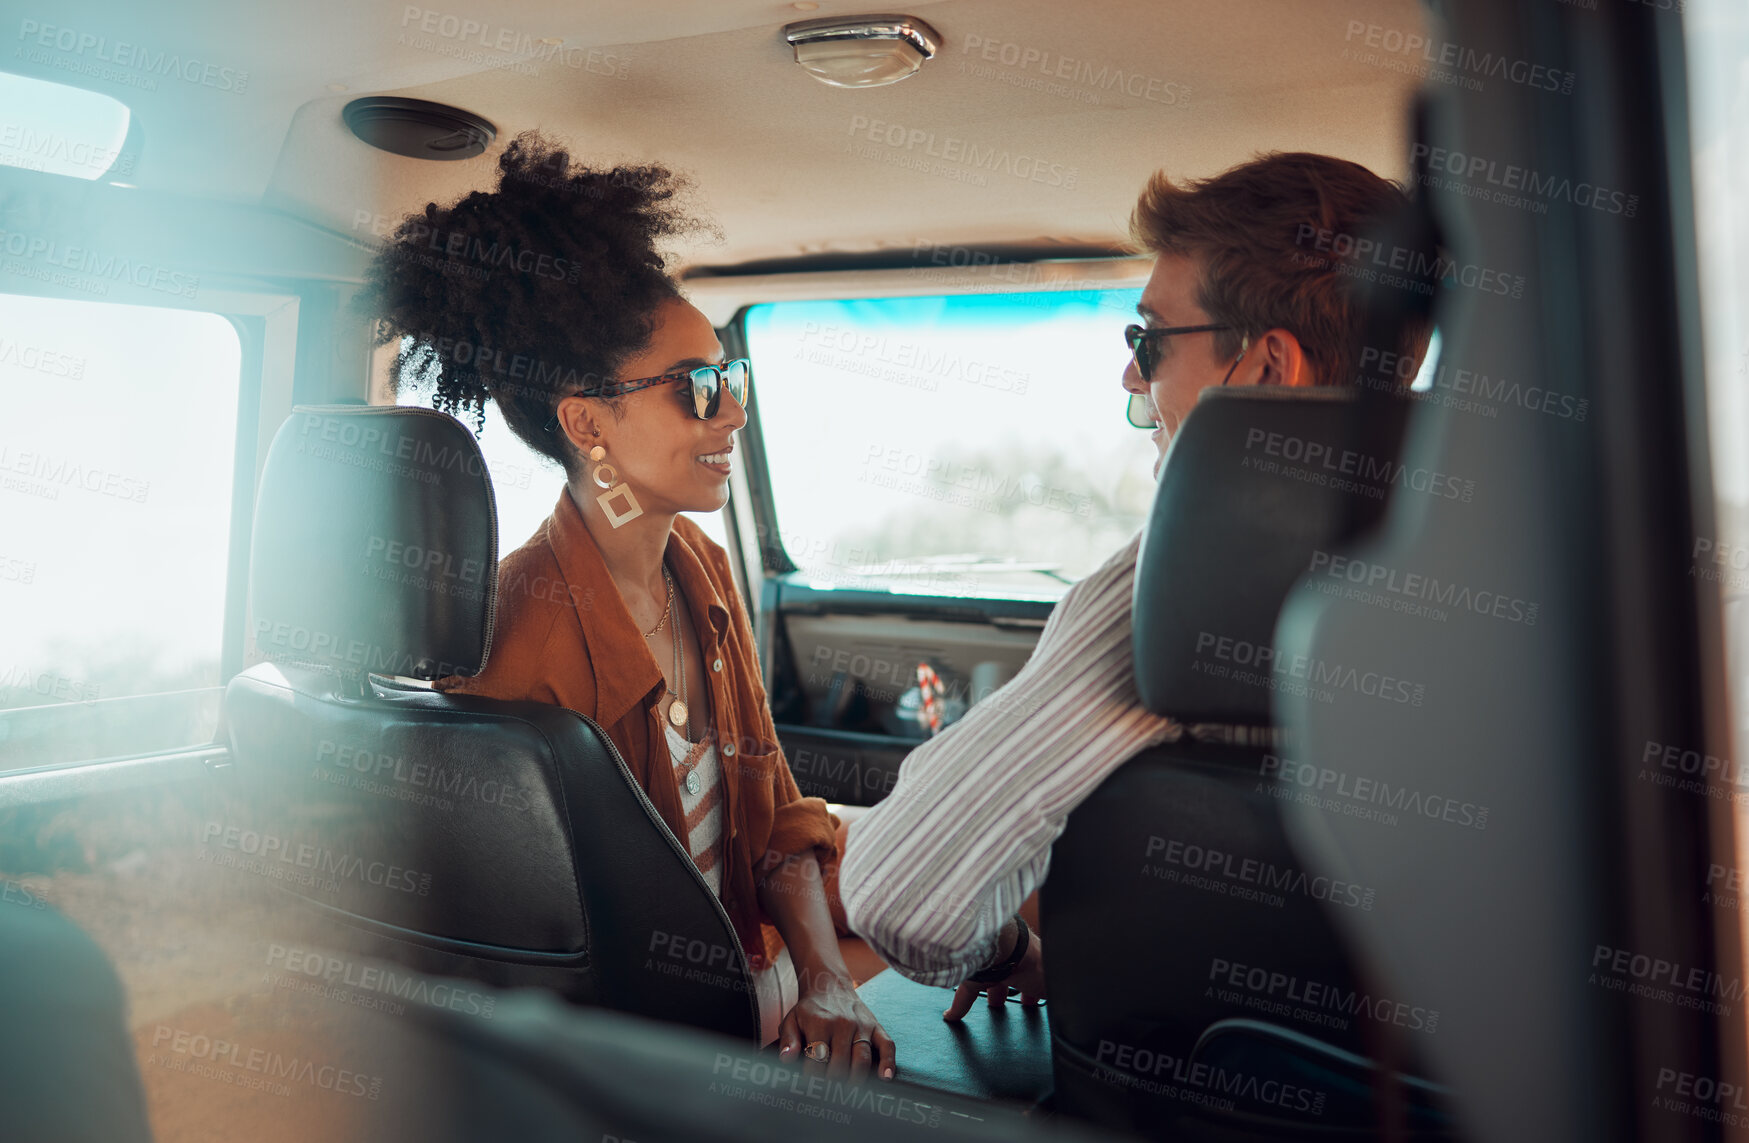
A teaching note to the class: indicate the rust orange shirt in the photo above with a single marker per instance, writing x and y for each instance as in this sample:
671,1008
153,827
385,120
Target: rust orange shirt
564,636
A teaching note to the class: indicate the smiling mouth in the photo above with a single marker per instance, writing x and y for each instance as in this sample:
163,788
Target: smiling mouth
717,457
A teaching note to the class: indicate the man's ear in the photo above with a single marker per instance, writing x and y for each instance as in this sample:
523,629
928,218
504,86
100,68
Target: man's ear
1282,359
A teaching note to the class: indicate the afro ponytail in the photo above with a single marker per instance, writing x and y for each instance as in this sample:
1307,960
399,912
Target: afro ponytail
532,292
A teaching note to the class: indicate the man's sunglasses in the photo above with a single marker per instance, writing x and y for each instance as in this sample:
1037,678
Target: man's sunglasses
707,383
1141,341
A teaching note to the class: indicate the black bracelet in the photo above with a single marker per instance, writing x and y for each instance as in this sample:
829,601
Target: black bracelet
997,973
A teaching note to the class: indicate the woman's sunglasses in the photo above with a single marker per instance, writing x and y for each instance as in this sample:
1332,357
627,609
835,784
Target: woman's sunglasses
707,383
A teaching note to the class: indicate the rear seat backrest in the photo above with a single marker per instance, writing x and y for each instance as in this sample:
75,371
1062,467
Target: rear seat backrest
502,842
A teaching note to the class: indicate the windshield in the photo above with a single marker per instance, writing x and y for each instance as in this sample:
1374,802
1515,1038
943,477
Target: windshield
959,445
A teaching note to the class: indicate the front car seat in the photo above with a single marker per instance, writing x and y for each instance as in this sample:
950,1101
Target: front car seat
1198,989
501,842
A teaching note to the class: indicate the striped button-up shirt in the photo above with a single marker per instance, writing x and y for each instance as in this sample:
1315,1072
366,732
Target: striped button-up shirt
930,874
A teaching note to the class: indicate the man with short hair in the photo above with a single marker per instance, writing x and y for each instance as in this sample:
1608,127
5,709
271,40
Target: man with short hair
1255,282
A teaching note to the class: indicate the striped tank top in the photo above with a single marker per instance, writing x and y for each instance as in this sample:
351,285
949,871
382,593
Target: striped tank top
703,810
776,986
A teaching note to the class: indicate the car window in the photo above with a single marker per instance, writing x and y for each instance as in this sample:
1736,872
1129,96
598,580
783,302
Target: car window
116,470
1718,43
966,444
62,130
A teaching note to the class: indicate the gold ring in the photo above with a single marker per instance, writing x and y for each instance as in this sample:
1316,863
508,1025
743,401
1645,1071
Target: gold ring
819,1051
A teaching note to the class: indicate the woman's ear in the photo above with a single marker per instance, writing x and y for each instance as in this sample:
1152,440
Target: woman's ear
578,421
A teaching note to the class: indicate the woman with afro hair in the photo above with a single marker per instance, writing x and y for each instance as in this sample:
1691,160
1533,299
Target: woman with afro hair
549,297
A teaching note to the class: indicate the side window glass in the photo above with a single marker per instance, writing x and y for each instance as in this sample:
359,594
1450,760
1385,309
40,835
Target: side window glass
1718,42
117,449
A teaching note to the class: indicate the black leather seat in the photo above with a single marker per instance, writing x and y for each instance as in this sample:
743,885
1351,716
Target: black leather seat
501,842
1198,988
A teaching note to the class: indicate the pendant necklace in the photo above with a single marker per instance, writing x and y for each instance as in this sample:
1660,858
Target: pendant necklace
677,712
677,708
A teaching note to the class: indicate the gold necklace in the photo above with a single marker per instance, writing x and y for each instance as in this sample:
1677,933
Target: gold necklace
667,606
677,713
677,708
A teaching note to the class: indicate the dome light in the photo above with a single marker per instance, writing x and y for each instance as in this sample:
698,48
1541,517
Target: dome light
862,51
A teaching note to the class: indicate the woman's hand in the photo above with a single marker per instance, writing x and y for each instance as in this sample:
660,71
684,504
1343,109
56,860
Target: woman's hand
830,1010
1028,976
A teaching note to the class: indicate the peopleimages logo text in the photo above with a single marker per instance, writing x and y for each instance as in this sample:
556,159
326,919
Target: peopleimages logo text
462,246
954,149
113,267
57,472
1529,181
1286,994
1373,792
1254,871
1427,588
471,359
1453,386
378,767
1406,260
1347,462
1052,66
347,431
261,1061
269,848
462,30
1687,986
1449,54
912,356
1304,669
132,57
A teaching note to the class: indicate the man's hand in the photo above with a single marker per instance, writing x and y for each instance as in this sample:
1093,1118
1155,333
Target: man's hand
1028,976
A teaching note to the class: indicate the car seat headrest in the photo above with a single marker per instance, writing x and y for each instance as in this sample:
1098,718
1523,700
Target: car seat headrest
1257,482
375,544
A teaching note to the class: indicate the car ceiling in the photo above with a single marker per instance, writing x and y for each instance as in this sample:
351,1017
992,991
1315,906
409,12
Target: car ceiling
710,87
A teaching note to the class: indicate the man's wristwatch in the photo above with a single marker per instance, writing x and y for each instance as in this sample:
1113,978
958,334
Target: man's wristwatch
997,973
